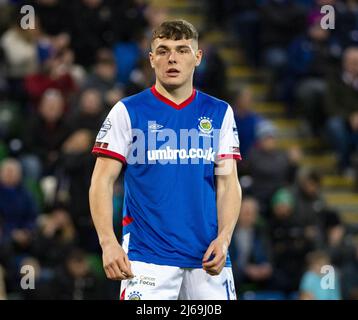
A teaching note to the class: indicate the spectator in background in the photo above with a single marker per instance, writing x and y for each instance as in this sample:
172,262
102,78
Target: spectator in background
76,71
90,112
310,59
210,75
50,46
17,208
89,24
311,283
75,280
350,277
44,135
141,77
127,55
73,174
20,55
51,14
289,244
338,242
316,5
281,21
129,19
269,167
55,67
42,278
54,237
345,28
244,18
341,103
216,13
54,74
155,15
249,249
308,204
247,120
104,78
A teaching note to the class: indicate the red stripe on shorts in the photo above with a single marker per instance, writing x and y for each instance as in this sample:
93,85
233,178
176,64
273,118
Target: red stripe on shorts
123,295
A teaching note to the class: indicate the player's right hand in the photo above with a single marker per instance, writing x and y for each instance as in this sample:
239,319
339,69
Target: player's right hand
115,262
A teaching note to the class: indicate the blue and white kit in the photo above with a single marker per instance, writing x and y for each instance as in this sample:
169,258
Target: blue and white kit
170,153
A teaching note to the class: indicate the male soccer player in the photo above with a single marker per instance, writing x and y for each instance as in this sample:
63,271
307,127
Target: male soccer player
179,209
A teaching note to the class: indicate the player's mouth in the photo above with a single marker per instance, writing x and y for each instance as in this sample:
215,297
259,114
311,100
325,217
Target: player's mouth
172,72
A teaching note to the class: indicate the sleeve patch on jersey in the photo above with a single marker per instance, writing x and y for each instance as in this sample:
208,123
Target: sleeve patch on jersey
101,145
235,150
106,126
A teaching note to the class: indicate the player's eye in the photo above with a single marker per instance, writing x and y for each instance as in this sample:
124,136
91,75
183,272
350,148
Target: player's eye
183,50
162,52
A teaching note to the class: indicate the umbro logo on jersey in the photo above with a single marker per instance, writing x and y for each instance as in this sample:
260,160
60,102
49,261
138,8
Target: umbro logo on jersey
174,154
155,127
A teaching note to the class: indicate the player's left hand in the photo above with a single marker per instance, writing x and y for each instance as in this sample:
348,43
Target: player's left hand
217,250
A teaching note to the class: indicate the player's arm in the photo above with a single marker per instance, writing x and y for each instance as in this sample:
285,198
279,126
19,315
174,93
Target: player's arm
228,207
115,260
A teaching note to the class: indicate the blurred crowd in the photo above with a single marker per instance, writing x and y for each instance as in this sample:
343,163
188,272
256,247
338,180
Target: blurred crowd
313,70
287,233
58,82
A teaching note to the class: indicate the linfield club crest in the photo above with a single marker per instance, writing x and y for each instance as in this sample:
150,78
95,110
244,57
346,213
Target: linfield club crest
205,125
135,295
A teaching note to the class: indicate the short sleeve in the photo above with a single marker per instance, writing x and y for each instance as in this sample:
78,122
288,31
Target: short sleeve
229,144
114,138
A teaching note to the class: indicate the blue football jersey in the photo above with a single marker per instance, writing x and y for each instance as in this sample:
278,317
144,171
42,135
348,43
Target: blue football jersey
170,152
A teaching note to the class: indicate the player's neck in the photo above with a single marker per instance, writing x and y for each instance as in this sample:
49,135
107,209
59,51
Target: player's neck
177,95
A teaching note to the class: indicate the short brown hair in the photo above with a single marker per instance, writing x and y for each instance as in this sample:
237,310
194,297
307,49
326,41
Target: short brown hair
175,30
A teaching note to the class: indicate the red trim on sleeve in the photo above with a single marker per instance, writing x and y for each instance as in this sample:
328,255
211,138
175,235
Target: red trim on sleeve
229,156
126,221
170,102
117,156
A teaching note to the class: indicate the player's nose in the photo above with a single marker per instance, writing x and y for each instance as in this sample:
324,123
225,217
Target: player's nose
172,57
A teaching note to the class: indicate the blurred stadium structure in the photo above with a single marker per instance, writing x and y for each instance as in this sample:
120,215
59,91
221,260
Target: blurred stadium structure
294,89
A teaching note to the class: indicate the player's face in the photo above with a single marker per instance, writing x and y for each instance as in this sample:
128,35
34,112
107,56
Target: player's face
174,61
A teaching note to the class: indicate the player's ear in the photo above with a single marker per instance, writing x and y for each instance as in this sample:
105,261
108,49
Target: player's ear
151,58
198,56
